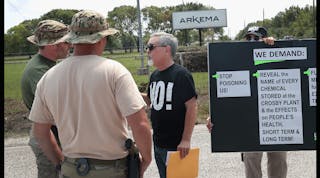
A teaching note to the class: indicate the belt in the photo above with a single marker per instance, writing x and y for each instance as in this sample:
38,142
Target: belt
98,163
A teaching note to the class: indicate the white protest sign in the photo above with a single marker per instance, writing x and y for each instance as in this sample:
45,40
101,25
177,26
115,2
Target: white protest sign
294,53
233,84
313,86
280,108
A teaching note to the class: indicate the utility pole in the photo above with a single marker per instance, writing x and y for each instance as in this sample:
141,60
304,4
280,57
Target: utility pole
314,19
263,17
142,70
200,37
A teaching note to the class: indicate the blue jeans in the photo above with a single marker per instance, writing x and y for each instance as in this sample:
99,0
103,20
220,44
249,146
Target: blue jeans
160,155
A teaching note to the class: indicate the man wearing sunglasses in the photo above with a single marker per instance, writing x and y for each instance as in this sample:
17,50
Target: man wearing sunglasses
277,161
172,100
258,34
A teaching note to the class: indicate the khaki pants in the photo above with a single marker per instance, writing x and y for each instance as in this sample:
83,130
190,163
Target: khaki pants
98,169
277,164
46,169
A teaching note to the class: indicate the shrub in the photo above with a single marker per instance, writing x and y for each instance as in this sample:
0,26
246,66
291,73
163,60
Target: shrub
193,58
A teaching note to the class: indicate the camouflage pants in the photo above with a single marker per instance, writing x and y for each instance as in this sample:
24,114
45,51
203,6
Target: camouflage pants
46,168
97,170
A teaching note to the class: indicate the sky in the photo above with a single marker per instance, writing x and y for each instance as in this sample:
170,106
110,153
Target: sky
239,12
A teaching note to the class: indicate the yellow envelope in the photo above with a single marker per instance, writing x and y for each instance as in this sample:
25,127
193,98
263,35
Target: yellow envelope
183,168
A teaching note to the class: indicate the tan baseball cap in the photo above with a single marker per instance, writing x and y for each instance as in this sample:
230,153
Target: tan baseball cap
88,26
48,32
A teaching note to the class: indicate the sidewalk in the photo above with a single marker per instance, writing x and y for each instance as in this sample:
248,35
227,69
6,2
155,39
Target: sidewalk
20,162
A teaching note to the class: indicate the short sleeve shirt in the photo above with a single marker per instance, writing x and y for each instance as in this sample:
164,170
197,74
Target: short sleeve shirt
168,91
34,70
88,97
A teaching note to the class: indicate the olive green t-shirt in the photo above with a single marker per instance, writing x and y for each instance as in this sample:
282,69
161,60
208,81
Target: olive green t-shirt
33,71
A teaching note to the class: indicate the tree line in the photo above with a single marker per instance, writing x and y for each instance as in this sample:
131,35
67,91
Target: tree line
295,21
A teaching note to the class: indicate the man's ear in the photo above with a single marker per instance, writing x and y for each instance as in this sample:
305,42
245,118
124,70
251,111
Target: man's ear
101,41
168,49
107,38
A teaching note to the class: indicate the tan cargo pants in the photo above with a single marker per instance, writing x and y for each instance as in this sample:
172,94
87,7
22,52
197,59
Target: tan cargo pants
277,164
98,168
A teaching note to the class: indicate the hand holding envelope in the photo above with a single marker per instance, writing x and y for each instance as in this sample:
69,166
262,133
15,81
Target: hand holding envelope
183,168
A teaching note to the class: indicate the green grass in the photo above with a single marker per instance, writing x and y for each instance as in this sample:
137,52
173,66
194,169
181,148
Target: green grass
12,77
13,73
16,58
201,82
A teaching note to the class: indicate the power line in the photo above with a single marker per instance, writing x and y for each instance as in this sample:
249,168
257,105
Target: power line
16,9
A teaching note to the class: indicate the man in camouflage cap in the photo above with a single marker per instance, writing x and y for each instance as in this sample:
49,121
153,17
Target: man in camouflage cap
51,47
48,32
92,100
88,27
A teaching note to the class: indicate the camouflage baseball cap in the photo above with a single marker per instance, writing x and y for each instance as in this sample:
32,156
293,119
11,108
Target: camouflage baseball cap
88,26
48,32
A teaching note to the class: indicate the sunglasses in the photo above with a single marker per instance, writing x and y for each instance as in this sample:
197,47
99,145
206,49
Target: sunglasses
252,38
151,46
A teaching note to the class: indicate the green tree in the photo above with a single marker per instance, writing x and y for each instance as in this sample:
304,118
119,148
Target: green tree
15,39
113,43
294,21
128,42
302,26
60,15
124,18
157,19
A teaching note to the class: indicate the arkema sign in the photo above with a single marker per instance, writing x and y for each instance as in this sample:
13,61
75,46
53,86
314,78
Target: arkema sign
199,19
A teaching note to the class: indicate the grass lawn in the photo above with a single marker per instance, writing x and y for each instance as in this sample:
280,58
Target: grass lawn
12,77
15,109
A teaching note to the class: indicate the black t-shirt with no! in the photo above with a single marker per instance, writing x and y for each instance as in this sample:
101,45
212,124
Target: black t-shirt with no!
168,91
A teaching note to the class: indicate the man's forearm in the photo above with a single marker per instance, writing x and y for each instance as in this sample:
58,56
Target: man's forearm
146,98
47,142
143,140
190,119
141,132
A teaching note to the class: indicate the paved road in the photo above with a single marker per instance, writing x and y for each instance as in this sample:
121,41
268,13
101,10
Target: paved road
20,162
